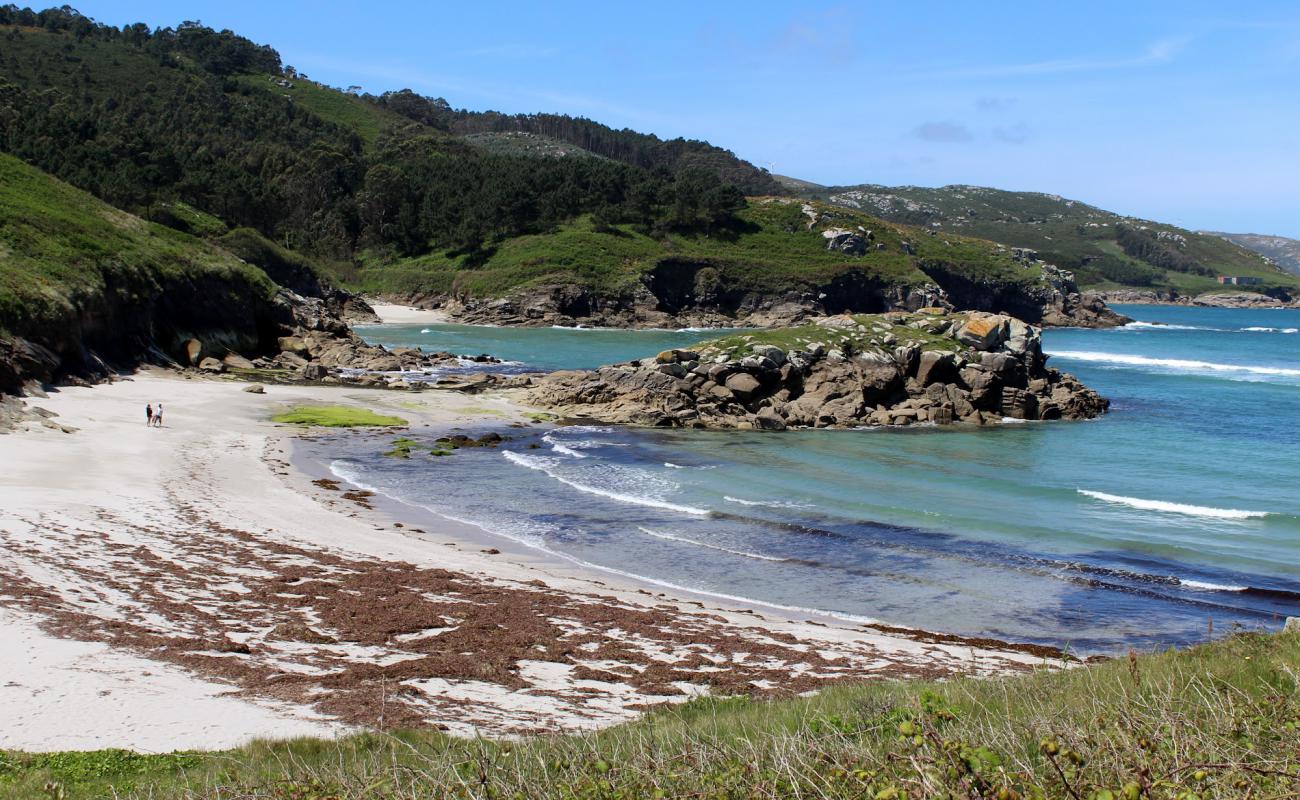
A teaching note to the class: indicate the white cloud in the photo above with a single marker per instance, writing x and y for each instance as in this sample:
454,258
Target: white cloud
942,132
1158,52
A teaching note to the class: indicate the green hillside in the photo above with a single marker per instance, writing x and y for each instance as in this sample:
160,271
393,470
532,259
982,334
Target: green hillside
1279,249
142,118
346,110
773,248
78,275
206,132
1217,721
1104,250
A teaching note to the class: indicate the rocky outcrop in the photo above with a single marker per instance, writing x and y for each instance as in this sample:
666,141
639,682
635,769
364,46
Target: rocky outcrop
889,369
1209,299
319,346
1244,300
680,293
185,321
1144,296
290,337
545,306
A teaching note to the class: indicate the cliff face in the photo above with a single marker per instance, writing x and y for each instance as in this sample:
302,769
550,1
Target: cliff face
783,261
842,371
682,293
86,290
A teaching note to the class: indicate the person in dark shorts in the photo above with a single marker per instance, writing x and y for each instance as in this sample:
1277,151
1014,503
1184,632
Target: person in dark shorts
148,414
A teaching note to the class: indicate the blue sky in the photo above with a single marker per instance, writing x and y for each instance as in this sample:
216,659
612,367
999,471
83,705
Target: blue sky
1185,112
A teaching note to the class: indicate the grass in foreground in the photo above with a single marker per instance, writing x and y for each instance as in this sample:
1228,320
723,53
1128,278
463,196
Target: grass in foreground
1217,721
336,417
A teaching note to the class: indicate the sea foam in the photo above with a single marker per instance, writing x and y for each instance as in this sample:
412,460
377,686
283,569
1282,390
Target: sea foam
671,538
765,503
1185,365
1173,508
1210,587
542,465
1161,326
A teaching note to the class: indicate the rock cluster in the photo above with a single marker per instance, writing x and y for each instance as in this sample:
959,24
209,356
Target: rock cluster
887,369
1210,299
319,346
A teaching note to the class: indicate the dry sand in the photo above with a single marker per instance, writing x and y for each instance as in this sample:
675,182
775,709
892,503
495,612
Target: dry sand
186,587
408,315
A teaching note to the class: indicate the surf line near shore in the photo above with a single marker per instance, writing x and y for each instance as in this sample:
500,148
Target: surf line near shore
301,580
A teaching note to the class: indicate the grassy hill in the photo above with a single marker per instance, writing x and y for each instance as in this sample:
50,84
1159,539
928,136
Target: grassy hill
146,118
344,109
1217,721
1105,250
1280,250
207,132
773,249
79,276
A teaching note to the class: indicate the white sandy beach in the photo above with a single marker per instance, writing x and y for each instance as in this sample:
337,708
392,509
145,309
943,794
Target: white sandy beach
193,590
390,313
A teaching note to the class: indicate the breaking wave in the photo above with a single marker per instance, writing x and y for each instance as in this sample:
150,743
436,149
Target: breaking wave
671,538
546,466
1160,326
1175,364
1173,508
765,503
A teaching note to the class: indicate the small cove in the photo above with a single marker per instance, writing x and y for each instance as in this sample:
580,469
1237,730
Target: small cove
1133,530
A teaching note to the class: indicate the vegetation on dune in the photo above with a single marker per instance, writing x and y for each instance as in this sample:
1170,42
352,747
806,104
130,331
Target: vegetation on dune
338,417
1217,721
1102,248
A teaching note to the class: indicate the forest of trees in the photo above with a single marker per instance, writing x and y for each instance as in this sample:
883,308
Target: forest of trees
1144,246
139,117
627,146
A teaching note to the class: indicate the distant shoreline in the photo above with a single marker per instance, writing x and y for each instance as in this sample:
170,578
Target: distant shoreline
1251,300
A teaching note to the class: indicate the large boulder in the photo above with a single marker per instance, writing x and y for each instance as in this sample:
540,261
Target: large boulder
293,344
313,372
768,419
984,331
771,352
193,351
852,244
935,366
210,364
742,385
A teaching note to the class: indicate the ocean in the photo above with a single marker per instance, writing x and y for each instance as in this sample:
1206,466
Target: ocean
1174,515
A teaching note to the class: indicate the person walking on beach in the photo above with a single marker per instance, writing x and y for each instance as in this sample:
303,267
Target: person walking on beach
148,413
157,416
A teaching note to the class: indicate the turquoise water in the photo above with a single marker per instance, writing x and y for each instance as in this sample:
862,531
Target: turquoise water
1136,529
536,348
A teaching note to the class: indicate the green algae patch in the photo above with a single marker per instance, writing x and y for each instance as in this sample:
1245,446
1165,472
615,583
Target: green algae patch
336,417
401,448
